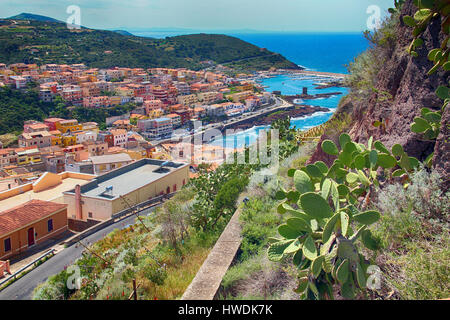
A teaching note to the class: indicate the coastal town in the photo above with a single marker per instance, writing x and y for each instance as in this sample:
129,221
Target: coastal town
56,163
76,176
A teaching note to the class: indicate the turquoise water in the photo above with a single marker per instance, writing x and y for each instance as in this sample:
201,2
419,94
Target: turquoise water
289,85
317,52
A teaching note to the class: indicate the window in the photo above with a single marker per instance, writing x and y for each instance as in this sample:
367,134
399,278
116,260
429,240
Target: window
90,214
50,225
7,244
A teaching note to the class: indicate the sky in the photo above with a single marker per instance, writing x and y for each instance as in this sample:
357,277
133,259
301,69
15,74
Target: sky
258,15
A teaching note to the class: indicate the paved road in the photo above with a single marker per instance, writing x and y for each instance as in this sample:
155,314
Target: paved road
23,288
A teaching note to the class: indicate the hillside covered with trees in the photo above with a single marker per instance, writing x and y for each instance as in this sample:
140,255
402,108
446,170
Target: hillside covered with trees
41,42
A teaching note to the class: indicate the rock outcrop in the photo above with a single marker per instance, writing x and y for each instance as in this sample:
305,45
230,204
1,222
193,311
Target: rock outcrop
405,79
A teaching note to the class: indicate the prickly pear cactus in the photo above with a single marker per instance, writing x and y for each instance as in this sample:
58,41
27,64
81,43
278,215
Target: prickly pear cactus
326,217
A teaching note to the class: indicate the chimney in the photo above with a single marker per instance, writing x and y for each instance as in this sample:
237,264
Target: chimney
78,207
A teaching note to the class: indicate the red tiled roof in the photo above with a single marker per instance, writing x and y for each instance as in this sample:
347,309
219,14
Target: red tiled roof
24,214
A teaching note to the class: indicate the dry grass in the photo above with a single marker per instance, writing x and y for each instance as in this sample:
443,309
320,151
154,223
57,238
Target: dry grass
178,279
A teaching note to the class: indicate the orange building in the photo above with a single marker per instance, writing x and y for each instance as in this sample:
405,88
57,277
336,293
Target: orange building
29,224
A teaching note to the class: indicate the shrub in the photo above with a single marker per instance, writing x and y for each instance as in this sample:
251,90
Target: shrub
413,230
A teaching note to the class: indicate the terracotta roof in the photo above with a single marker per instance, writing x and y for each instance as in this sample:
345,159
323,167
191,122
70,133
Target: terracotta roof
29,212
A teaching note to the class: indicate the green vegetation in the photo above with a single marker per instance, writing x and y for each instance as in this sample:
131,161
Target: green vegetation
365,67
253,276
18,106
413,232
429,124
164,251
91,47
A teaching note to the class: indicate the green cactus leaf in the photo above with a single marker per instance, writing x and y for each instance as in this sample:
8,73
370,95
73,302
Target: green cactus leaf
360,276
429,160
424,111
357,234
447,66
299,214
367,217
322,167
386,161
297,258
373,158
443,92
315,206
293,196
350,147
422,14
326,188
335,195
343,271
348,290
273,240
302,182
409,21
397,150
360,162
330,148
418,43
314,171
329,227
362,177
309,248
291,172
434,117
302,285
299,224
433,53
369,241
316,265
370,143
344,139
430,134
287,232
345,220
293,247
280,195
398,173
346,158
414,162
420,125
312,286
405,163
276,250
351,177
327,265
380,147
281,209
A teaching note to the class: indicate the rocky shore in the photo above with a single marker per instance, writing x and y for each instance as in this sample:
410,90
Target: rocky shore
291,99
265,120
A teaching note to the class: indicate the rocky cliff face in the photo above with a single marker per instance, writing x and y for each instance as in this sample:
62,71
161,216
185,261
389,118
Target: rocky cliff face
405,79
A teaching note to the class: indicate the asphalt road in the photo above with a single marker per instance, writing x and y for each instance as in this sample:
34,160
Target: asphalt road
23,288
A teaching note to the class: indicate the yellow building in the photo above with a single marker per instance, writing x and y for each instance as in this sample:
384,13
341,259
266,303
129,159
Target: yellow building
115,100
187,100
68,125
68,140
155,113
28,156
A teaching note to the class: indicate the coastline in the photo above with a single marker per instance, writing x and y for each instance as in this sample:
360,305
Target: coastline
293,112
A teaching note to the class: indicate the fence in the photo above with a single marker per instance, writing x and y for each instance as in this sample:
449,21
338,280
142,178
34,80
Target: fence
139,207
18,272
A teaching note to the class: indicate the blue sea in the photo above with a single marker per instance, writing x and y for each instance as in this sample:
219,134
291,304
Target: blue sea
326,52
